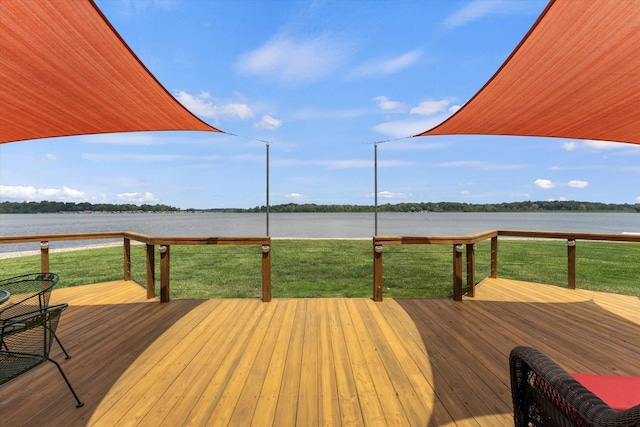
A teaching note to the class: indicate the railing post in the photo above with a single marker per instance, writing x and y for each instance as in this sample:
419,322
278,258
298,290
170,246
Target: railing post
457,272
127,259
151,272
377,272
571,267
494,257
44,257
266,272
164,273
471,270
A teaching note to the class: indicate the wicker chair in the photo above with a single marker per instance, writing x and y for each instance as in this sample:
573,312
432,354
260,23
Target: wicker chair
25,342
544,394
29,292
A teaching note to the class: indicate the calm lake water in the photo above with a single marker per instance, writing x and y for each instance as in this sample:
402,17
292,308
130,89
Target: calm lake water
307,225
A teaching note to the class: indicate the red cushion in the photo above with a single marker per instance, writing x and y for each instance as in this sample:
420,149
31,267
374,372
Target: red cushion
616,391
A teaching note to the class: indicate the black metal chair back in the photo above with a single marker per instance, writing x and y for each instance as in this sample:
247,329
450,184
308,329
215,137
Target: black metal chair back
28,292
25,342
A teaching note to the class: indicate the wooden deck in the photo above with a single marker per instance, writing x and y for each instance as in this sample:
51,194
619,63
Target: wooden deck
313,361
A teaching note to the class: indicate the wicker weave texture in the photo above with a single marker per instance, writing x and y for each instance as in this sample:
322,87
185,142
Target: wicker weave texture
544,394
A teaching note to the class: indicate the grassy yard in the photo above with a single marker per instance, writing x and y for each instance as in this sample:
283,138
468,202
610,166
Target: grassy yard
344,268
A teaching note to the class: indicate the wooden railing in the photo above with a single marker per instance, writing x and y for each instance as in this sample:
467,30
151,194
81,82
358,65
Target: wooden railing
465,245
463,248
164,245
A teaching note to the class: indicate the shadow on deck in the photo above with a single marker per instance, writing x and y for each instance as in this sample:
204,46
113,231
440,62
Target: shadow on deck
314,361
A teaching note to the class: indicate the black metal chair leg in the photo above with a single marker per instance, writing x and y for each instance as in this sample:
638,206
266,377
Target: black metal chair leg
80,403
66,355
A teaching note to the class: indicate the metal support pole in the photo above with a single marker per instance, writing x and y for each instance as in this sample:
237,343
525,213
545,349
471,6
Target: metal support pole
267,189
375,186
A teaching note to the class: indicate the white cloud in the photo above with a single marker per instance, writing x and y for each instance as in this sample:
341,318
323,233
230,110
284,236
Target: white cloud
292,61
295,196
544,183
138,157
576,183
46,158
388,66
203,105
385,104
247,157
638,199
359,164
137,197
308,113
429,108
407,127
570,146
343,164
426,115
29,193
481,165
390,195
268,122
478,9
603,145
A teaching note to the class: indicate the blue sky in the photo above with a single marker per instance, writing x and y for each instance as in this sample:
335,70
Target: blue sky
321,81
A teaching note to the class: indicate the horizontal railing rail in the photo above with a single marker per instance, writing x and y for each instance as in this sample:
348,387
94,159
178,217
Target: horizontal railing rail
462,247
164,243
634,238
469,241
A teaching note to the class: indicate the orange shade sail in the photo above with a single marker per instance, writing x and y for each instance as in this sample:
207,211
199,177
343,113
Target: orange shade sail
576,74
64,70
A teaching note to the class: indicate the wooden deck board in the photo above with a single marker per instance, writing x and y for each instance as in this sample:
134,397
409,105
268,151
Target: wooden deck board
313,361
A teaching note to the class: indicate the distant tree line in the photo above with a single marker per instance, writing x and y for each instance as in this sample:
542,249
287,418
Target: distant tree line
57,207
528,206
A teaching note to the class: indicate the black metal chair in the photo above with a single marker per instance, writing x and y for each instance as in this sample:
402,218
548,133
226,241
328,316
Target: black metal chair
544,394
25,342
29,292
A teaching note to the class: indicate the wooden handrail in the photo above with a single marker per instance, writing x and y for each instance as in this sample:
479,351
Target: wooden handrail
470,240
378,244
154,240
570,235
434,240
151,242
61,237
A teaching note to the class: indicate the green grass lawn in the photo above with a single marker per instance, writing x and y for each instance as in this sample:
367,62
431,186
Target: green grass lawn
344,268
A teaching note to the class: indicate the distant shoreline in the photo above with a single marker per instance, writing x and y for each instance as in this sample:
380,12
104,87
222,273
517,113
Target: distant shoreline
442,206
